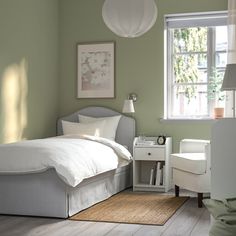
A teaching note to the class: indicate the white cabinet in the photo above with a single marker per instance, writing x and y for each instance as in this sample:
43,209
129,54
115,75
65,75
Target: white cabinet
146,158
223,159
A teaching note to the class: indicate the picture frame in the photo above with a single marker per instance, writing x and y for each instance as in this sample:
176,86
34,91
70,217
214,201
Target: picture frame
96,70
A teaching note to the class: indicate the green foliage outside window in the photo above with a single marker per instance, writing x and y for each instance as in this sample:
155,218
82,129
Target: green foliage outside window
215,83
190,50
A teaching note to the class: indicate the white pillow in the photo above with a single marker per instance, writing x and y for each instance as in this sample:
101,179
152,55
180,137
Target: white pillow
110,126
93,128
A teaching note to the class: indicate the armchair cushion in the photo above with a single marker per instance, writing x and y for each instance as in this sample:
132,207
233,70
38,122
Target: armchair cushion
190,162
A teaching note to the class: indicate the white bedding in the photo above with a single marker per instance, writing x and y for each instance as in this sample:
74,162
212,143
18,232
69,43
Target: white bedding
74,157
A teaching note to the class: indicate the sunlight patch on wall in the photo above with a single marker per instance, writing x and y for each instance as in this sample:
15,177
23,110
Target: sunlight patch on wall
14,101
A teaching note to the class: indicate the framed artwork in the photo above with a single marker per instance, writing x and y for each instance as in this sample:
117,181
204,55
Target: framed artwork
95,70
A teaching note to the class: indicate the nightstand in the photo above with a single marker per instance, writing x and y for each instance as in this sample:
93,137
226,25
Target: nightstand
151,165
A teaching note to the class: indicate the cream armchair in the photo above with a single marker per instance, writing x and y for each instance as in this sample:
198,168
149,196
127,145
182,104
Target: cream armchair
191,167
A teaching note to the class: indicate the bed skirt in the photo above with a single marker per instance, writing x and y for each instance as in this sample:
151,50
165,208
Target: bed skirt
45,194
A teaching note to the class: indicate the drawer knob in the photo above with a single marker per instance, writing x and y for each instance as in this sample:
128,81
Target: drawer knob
149,154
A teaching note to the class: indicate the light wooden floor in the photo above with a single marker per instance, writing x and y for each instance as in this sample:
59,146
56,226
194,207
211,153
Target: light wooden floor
188,220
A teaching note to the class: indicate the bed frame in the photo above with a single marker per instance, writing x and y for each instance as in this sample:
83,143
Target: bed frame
45,194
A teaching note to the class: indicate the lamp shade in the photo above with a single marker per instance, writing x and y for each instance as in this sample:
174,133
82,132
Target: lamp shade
129,18
128,106
229,82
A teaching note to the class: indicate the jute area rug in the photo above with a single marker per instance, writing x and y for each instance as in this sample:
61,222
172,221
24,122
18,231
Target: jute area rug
133,208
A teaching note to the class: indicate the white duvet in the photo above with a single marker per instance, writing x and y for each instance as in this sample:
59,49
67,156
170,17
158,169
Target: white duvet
73,157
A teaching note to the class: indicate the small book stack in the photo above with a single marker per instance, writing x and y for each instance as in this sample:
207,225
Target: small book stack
159,172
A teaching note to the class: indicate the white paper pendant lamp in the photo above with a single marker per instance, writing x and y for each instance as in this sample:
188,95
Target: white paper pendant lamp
129,18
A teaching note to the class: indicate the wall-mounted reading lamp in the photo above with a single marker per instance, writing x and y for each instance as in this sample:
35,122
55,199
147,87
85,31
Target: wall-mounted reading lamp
128,106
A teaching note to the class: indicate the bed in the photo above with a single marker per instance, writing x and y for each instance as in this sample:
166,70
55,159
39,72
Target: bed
45,194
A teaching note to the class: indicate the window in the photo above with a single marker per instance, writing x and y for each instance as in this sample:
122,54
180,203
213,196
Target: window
196,47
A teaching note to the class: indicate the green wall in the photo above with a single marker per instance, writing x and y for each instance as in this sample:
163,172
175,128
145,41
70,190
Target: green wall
28,69
139,64
38,63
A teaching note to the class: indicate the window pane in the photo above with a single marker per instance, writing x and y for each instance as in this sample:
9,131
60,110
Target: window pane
190,68
190,40
221,59
190,101
214,87
221,38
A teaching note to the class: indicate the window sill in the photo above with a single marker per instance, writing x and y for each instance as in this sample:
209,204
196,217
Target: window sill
185,120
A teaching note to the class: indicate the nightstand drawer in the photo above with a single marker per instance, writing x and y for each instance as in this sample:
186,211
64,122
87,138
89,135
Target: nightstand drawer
149,154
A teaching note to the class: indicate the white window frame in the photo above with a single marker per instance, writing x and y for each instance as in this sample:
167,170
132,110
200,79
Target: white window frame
188,20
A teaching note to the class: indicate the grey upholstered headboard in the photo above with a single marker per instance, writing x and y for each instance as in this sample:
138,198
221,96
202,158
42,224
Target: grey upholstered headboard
125,131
